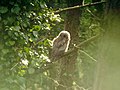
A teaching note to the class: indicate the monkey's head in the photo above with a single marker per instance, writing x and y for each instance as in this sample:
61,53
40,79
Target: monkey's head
64,35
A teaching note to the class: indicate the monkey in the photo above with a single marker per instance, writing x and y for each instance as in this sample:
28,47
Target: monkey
60,44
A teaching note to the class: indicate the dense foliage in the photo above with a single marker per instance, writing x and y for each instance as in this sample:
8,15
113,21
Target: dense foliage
26,34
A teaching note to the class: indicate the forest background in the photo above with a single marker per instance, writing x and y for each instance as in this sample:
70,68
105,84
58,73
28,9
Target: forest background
28,28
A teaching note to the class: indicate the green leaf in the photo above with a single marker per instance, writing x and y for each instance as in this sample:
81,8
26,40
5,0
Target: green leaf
43,5
30,39
27,49
35,33
11,43
15,9
5,21
37,27
17,28
11,19
3,9
16,34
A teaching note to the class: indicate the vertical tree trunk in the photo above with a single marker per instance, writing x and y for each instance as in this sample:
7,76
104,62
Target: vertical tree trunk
107,72
72,24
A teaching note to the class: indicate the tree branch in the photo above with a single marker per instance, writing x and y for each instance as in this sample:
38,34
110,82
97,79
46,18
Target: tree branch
88,55
97,18
78,6
87,41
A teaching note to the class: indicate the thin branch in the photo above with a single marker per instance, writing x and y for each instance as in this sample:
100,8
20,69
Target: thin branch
67,88
97,18
78,6
14,66
87,41
57,83
88,55
81,88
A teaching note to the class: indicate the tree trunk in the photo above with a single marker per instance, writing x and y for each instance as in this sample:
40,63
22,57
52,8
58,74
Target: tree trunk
107,72
72,24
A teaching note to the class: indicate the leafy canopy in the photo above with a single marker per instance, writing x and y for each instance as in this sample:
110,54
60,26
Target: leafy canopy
26,33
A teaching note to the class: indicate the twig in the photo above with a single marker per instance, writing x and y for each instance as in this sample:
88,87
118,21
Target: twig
56,82
87,41
97,18
78,6
88,55
14,66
